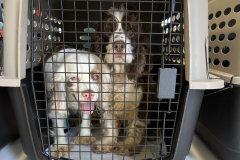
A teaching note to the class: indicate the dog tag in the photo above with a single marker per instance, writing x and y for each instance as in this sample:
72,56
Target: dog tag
85,38
167,83
89,29
86,45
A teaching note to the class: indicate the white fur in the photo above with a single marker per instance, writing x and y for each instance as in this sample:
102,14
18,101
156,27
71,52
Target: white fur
85,131
81,63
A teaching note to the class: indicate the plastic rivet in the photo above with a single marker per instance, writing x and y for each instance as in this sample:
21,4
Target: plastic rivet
85,38
86,45
89,30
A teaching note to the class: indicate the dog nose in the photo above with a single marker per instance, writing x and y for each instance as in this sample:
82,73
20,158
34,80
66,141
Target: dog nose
119,46
88,94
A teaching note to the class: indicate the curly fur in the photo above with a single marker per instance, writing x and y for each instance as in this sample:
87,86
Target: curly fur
69,73
127,98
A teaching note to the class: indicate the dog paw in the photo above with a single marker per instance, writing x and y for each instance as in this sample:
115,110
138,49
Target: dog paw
125,150
101,148
84,140
60,150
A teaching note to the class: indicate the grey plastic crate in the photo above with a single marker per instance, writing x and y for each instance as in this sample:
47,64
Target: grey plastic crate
180,117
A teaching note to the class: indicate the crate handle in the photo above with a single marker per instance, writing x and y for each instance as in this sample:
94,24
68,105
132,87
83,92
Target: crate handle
15,31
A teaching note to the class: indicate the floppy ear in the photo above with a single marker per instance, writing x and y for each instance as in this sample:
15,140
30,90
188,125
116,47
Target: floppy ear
148,58
106,77
58,98
144,49
136,68
106,87
142,61
95,47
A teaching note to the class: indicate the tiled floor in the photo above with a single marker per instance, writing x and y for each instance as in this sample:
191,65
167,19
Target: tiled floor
199,151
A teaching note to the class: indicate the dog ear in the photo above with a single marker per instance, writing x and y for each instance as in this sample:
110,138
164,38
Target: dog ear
106,88
149,63
95,47
58,98
106,77
136,70
142,59
143,64
148,58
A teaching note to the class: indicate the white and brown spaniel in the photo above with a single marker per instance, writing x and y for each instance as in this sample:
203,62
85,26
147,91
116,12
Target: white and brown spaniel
122,42
77,81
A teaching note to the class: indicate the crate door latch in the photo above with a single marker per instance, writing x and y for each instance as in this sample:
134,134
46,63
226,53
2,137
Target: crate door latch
167,83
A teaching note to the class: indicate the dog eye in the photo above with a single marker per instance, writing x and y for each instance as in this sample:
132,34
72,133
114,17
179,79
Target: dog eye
96,77
130,34
74,78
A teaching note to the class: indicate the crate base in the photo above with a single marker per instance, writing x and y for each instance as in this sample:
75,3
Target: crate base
23,105
150,150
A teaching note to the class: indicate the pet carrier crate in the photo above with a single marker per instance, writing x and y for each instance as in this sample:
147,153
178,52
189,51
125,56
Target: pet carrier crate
177,41
220,129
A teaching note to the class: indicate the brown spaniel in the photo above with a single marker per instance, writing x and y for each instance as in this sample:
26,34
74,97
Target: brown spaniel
123,43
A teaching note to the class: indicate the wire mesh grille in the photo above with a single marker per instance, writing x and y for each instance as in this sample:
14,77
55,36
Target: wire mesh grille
94,68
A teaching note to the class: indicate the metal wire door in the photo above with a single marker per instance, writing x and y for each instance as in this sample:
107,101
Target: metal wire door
91,26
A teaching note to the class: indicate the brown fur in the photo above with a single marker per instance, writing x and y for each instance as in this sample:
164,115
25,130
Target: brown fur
84,140
61,150
74,119
140,64
135,120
